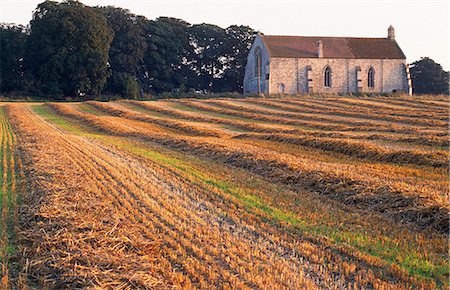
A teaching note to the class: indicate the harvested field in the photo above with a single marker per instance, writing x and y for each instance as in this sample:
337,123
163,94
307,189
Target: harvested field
264,193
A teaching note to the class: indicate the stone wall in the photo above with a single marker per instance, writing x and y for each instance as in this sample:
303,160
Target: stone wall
394,76
292,75
283,72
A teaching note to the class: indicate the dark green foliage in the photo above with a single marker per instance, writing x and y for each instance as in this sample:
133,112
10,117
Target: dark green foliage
428,77
124,84
126,52
220,56
210,45
240,40
12,46
168,49
202,57
67,51
73,51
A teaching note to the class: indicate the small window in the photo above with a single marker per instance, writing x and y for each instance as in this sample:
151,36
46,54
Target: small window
371,78
267,76
281,88
309,75
358,74
327,77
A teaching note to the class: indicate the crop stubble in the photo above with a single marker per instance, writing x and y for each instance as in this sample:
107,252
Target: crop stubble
111,219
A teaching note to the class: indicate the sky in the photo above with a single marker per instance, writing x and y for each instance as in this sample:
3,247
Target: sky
422,28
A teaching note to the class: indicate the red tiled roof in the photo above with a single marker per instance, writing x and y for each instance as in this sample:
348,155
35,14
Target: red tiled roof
333,47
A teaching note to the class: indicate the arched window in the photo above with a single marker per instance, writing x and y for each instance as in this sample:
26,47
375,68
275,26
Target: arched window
258,62
327,77
371,78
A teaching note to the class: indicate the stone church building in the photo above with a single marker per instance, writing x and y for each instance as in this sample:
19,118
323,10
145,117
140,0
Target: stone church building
303,64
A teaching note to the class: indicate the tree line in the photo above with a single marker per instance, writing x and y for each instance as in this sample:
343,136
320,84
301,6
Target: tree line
73,50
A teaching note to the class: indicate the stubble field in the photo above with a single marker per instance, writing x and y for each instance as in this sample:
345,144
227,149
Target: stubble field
265,193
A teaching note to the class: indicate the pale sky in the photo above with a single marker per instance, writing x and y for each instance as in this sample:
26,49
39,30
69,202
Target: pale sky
422,28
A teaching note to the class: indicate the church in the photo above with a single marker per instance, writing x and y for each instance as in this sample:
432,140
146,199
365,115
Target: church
334,65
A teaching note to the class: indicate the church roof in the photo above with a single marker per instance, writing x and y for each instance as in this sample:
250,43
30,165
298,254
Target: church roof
333,47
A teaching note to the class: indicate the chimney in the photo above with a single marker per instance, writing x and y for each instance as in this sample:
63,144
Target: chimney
320,49
391,33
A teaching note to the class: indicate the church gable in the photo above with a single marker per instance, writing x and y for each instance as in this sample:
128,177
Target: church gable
257,69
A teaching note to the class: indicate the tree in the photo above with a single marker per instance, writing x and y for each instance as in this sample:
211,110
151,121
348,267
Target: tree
201,57
165,60
127,50
210,45
12,47
240,40
220,56
428,77
68,49
74,50
123,84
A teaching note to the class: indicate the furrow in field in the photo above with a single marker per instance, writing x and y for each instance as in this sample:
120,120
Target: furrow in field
109,191
161,107
184,231
160,213
371,104
354,124
236,230
264,117
358,149
383,179
119,242
128,200
304,107
411,103
173,124
298,173
377,120
331,265
365,105
424,181
187,226
255,109
368,108
239,125
311,122
440,103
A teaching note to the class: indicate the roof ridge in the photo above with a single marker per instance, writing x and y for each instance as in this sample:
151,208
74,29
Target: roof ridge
302,36
333,47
